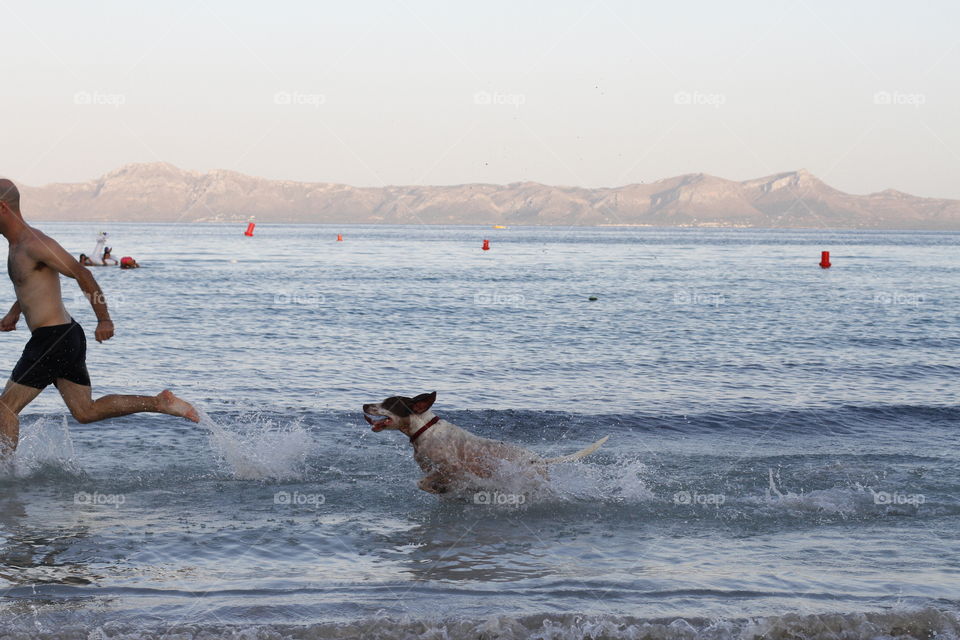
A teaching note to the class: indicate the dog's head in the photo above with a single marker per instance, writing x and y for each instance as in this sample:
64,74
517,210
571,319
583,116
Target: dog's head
398,412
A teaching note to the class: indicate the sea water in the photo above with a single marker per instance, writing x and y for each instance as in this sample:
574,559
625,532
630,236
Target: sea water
782,462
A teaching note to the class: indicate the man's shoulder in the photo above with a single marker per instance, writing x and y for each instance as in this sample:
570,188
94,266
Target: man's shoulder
38,241
38,234
39,247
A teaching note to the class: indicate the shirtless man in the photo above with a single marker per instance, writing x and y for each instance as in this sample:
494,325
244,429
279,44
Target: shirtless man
57,350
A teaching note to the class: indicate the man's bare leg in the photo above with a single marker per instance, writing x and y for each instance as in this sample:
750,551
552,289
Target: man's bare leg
15,397
85,409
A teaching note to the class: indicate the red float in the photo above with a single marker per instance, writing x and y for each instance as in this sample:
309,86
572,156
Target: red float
824,259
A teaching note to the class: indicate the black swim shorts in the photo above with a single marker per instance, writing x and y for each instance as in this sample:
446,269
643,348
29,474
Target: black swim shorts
53,352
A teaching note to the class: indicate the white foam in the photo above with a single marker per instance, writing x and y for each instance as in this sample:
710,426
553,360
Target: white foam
257,448
566,482
834,500
44,443
925,623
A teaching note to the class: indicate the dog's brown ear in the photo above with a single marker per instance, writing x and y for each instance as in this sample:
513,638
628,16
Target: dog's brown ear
423,402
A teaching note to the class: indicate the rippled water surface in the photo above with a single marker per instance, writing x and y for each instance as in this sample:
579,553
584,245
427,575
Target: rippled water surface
782,462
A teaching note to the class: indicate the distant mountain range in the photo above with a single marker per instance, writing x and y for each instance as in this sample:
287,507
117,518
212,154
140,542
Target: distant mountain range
161,192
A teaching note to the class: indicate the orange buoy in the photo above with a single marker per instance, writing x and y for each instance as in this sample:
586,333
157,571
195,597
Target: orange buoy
249,231
486,245
339,237
824,259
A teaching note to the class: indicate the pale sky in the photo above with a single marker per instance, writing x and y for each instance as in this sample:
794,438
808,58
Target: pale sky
594,93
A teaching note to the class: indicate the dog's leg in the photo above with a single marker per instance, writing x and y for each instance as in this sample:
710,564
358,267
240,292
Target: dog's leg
433,483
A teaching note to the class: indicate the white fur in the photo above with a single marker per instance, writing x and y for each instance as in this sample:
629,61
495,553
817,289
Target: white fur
450,455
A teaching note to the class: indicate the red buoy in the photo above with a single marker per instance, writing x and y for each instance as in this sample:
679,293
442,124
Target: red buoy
486,245
824,259
249,231
339,237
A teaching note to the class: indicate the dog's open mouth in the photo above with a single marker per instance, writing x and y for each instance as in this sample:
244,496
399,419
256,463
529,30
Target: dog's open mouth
379,423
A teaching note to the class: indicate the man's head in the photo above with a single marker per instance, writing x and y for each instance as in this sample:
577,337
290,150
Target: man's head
9,197
10,216
399,412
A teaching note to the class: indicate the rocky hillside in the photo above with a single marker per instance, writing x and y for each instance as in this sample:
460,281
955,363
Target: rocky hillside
160,192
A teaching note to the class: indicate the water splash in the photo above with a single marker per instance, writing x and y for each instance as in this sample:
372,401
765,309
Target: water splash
583,480
45,447
254,447
625,480
842,501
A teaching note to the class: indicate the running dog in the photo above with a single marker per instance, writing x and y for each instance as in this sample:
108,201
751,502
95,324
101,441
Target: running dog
448,454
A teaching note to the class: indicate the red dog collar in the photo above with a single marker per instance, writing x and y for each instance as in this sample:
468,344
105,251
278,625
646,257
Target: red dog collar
420,431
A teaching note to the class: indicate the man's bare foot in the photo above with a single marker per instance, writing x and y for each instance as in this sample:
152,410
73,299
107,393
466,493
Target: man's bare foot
174,406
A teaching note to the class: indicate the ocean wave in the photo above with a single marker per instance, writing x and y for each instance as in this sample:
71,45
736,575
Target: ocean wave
333,451
700,476
801,420
540,424
904,624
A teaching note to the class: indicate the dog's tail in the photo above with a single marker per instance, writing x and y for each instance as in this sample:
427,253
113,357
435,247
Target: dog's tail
579,454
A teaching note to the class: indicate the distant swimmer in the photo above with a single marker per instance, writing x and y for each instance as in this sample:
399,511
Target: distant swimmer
57,349
85,261
126,262
107,258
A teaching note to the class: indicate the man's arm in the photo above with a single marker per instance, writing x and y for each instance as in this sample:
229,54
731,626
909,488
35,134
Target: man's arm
49,252
9,321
